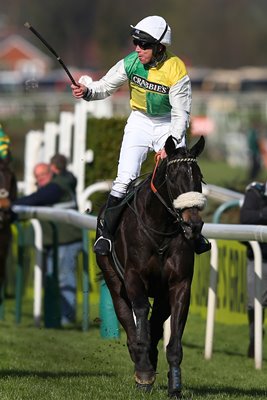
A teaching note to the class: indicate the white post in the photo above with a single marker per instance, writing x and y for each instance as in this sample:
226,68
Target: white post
37,284
32,155
85,203
212,294
66,120
257,303
79,162
51,131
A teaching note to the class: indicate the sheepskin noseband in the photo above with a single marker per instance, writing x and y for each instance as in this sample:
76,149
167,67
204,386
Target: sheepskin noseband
190,199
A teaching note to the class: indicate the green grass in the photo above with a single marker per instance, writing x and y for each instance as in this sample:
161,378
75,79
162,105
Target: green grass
222,174
70,364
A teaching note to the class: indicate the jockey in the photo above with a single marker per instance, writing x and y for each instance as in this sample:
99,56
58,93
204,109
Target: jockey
160,99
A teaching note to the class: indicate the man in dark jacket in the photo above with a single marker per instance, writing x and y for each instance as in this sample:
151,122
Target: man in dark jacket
58,165
254,212
55,191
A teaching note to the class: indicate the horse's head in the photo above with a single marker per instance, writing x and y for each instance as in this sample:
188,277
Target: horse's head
184,183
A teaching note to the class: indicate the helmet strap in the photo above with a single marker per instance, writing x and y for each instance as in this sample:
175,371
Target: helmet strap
163,33
158,55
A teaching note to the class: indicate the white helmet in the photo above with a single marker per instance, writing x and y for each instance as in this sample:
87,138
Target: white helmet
153,29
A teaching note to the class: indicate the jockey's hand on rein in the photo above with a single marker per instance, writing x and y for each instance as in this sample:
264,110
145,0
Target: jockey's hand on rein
163,153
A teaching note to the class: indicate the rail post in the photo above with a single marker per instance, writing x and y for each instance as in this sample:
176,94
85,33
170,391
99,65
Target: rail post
212,299
109,326
223,207
38,270
51,295
257,303
19,273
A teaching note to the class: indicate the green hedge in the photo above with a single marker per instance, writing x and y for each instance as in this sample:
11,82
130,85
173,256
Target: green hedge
104,137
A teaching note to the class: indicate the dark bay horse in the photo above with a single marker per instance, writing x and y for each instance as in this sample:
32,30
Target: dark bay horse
154,248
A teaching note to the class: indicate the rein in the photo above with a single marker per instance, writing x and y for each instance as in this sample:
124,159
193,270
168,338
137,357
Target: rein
155,190
176,214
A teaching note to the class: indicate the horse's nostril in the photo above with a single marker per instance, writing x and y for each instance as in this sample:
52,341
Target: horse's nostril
193,229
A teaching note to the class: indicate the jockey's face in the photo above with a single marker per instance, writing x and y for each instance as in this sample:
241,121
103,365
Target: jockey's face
144,56
145,52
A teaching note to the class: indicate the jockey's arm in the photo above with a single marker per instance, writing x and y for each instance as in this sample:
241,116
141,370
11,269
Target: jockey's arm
107,85
180,98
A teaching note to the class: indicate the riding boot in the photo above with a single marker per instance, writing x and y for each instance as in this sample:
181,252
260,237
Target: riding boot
202,245
103,243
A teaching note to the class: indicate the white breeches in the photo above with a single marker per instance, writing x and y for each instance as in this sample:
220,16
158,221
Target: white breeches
141,135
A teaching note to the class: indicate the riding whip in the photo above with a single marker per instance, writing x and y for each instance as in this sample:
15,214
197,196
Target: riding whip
50,48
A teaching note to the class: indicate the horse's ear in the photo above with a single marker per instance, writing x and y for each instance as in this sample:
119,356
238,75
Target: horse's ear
197,149
169,146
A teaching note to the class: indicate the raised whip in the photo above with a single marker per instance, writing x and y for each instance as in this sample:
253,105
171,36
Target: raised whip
50,48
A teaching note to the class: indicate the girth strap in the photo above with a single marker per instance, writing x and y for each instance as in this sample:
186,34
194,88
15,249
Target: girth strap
118,267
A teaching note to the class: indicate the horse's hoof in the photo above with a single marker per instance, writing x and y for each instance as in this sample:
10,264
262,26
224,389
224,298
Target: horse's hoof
144,387
145,380
174,383
175,395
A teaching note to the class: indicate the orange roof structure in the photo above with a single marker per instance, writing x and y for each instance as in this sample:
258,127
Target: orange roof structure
17,54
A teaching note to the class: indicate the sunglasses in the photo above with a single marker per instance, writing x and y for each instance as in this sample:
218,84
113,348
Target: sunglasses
142,44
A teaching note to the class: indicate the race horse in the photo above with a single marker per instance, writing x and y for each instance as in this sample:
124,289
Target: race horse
153,257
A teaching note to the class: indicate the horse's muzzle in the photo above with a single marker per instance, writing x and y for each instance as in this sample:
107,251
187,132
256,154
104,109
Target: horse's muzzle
192,223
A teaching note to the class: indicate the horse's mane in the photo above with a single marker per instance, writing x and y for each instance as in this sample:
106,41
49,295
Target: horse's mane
180,152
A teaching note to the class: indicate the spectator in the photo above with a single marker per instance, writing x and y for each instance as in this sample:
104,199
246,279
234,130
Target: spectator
254,152
54,190
59,167
8,193
254,211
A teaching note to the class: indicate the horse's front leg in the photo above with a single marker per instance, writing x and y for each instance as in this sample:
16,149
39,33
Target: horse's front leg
160,313
136,291
179,300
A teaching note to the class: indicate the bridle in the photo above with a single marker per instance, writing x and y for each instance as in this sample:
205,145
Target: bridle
177,213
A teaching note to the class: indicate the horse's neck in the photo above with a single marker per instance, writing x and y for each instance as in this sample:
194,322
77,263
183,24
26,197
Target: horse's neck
149,203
